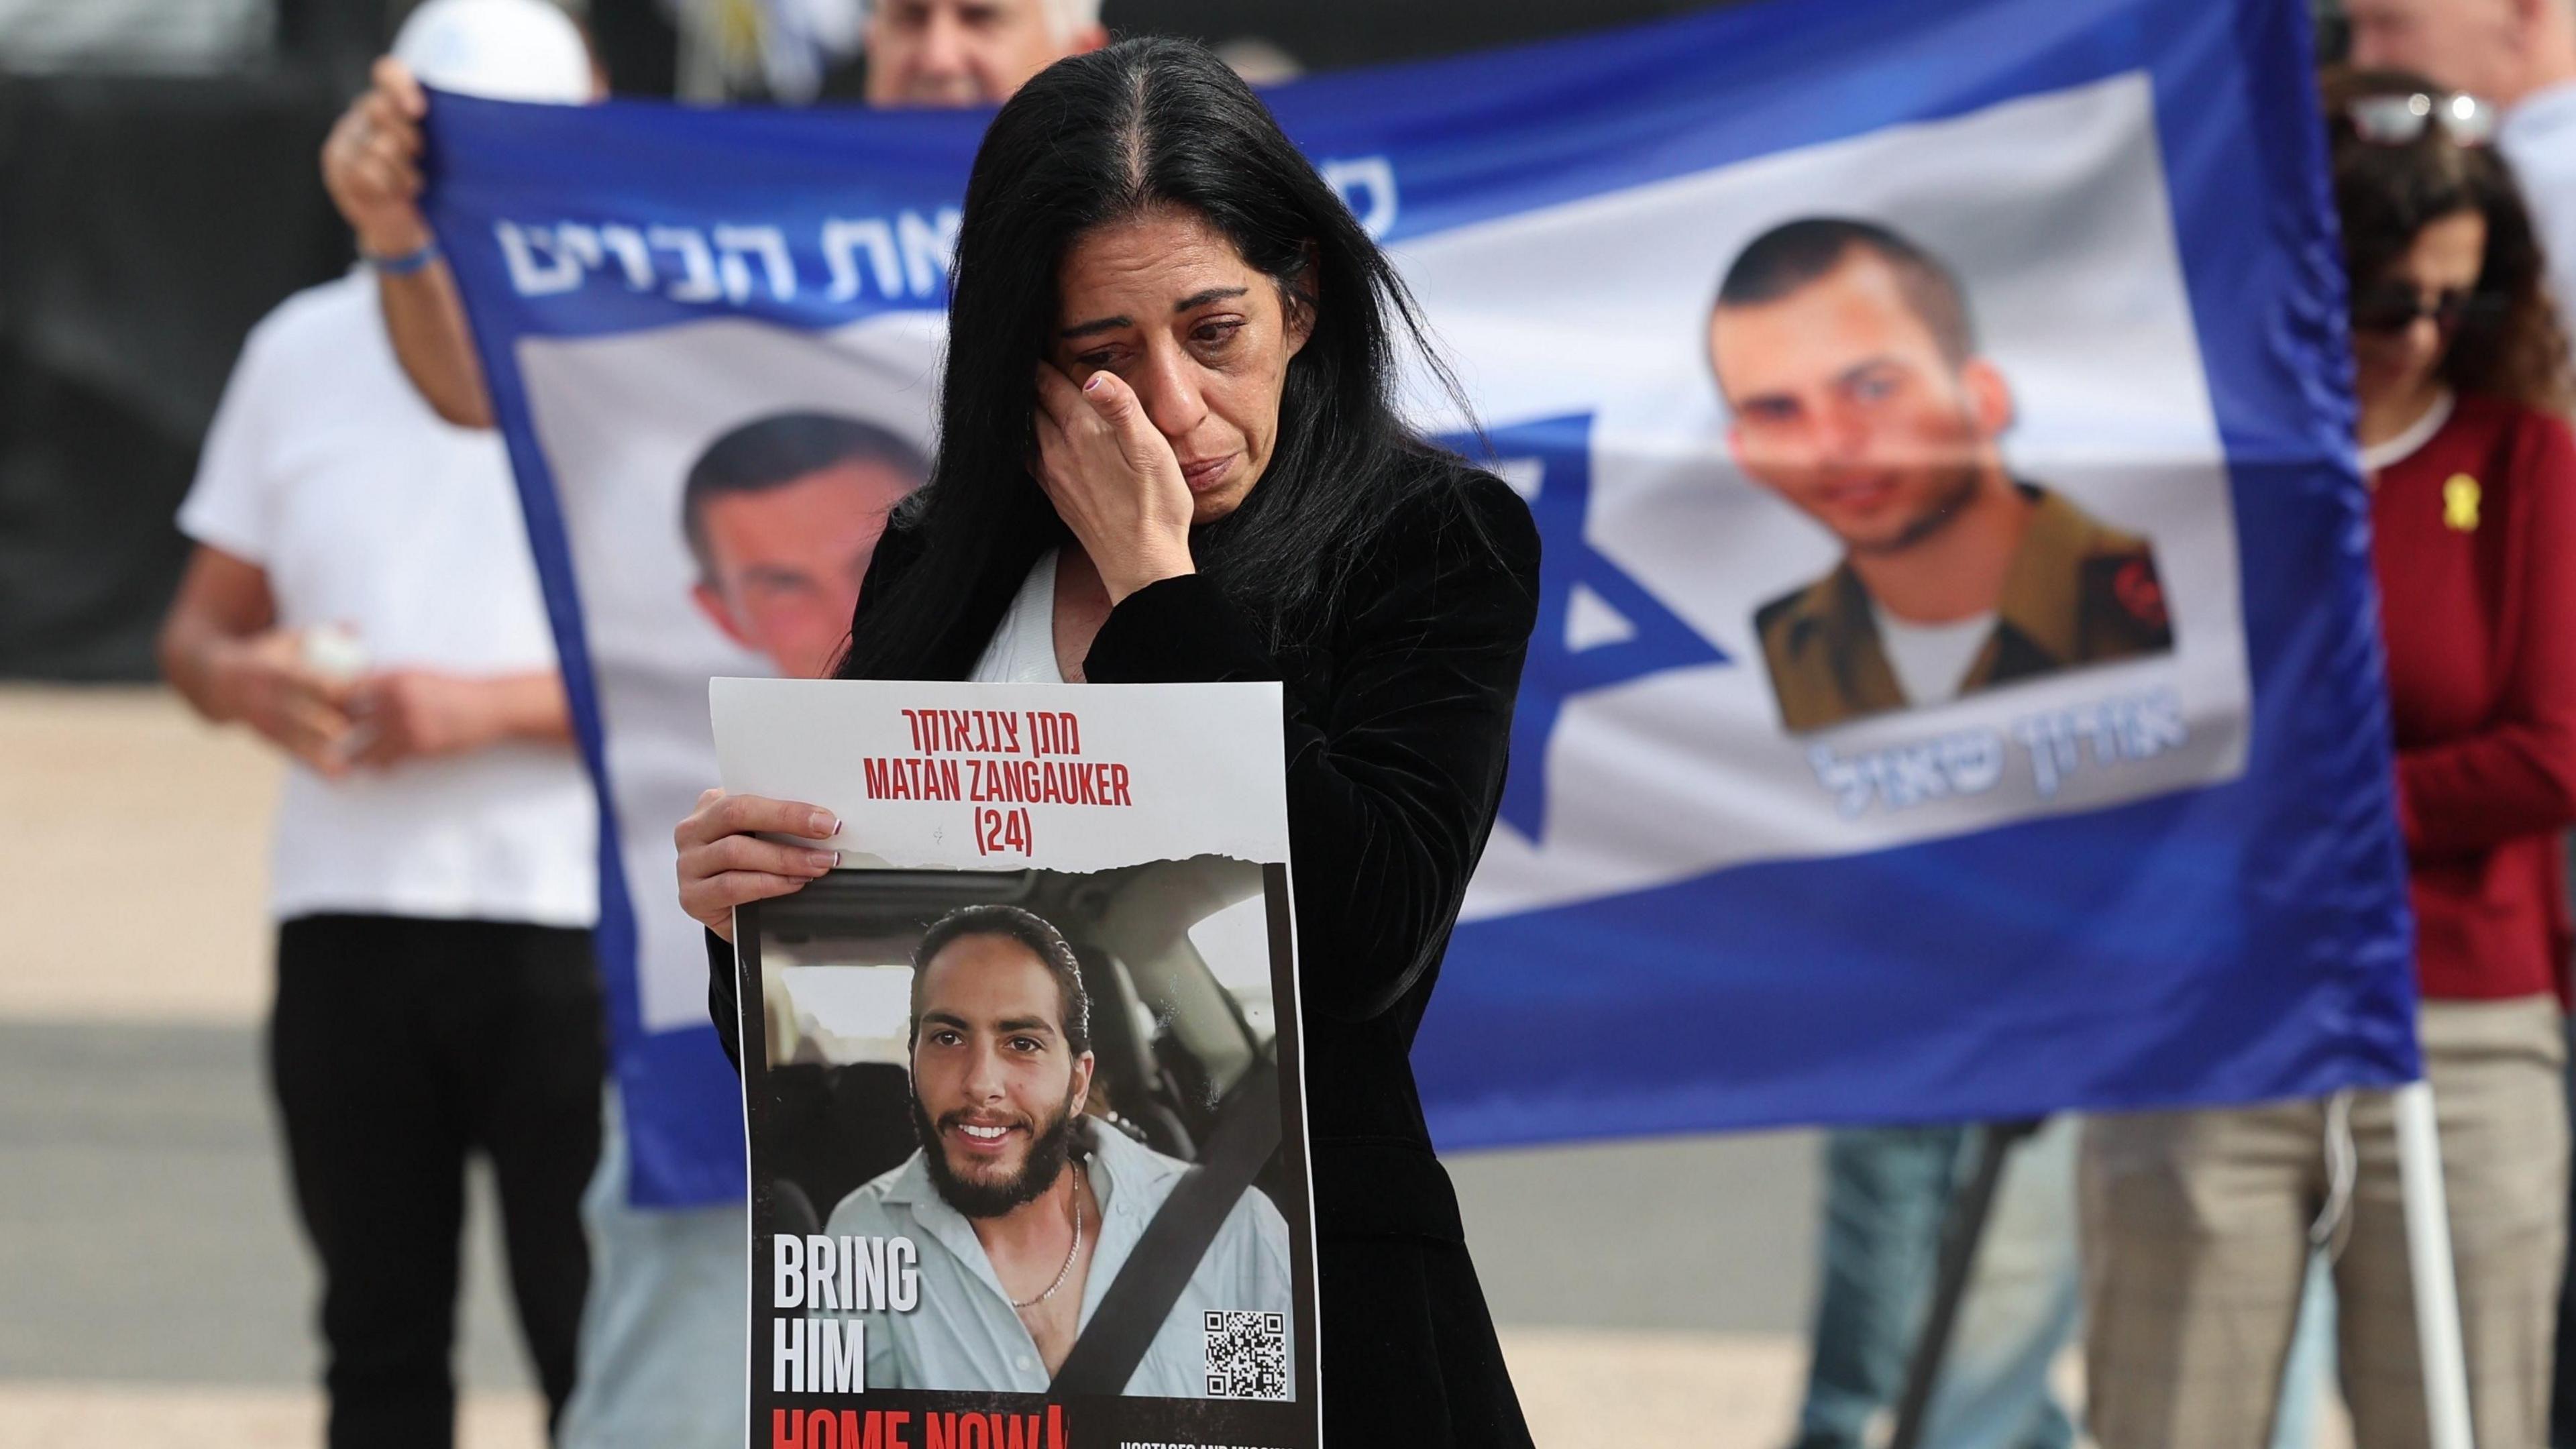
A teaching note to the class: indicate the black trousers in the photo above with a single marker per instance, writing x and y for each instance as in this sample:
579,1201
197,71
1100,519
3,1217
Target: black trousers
400,1045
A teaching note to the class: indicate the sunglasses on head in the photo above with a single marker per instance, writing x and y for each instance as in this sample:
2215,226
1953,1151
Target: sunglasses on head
2403,120
2395,306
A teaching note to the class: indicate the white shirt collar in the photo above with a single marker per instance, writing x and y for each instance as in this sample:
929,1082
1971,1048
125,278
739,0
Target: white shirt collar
1119,1171
2402,447
1022,649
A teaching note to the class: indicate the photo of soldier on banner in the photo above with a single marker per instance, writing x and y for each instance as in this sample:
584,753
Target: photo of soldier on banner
1025,1140
1874,548
1849,361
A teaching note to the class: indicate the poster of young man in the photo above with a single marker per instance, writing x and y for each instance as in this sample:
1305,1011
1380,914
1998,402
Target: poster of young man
1021,1078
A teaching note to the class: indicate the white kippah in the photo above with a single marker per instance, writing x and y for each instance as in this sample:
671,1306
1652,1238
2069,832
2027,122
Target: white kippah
503,50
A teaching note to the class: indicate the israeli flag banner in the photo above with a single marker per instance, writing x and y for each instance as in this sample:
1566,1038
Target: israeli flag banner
1955,693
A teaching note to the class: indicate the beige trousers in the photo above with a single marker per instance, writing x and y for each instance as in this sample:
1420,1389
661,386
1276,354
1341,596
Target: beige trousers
2195,1248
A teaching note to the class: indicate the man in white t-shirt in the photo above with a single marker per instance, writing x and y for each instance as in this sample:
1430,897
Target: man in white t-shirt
2519,54
663,1339
362,595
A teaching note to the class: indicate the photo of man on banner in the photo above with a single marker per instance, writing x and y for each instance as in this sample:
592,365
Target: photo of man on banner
1847,358
782,514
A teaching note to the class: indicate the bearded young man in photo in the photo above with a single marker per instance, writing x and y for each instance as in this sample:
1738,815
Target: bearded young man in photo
1014,1177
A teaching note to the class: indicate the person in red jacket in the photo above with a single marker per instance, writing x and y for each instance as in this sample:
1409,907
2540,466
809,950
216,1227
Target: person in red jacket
2198,1223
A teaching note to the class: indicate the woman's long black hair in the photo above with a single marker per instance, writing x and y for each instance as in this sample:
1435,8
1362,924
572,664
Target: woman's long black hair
1103,137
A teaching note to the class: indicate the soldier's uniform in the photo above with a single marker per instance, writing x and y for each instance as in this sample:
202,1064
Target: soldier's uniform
2079,592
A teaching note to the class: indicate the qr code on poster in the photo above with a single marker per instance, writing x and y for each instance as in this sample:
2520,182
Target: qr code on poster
1247,1355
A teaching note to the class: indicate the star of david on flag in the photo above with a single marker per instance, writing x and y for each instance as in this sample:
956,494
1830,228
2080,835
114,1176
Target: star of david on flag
1597,626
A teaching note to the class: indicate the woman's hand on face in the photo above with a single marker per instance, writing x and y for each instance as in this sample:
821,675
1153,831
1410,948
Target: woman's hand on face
723,864
1113,479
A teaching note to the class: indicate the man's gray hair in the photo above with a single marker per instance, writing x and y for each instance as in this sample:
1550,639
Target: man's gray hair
1065,19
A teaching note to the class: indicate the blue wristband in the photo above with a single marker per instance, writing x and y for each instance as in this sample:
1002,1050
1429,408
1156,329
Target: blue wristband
404,265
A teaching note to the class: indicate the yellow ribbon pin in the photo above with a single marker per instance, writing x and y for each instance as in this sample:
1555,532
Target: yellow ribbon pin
2460,503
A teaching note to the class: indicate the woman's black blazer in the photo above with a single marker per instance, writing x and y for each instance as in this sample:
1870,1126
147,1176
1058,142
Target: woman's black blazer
1399,710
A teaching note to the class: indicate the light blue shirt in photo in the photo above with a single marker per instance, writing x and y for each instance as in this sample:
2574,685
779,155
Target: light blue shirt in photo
962,1333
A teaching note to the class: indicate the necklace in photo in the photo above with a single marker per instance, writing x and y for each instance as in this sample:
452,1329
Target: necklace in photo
1070,1253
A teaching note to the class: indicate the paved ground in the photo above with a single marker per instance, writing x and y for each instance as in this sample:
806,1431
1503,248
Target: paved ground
136,859
150,1274
151,1277
152,1285
145,1232
153,1290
